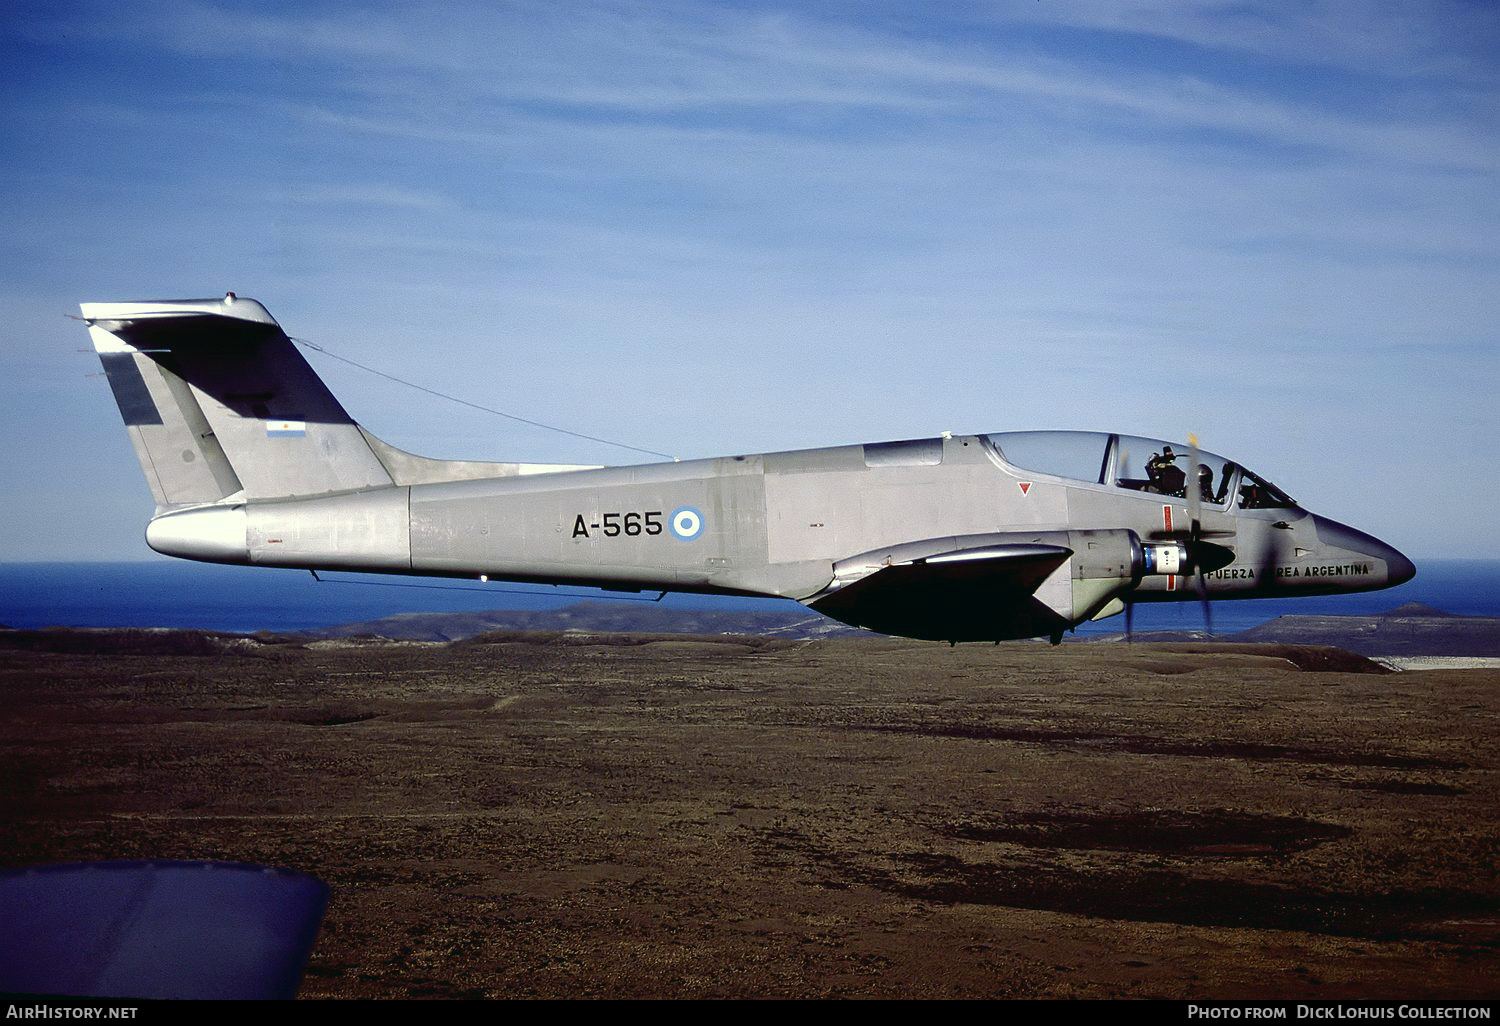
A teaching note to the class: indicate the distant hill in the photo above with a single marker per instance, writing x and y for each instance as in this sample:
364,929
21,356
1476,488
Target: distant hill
1412,629
1409,630
594,617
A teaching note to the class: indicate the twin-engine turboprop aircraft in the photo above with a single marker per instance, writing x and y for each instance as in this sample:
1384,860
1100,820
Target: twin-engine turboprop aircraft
960,538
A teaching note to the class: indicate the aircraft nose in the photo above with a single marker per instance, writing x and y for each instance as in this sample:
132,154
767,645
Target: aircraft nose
1398,568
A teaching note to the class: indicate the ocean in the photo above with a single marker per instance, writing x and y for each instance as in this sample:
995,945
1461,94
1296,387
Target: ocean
174,593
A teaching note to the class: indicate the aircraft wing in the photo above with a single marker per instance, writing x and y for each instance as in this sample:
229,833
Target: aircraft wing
958,589
158,930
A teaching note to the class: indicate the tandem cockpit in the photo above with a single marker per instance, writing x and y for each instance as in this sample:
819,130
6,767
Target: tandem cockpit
1137,464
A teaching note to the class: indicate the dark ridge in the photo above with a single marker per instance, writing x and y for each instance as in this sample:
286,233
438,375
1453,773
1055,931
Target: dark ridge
1140,745
580,639
1164,896
336,720
1311,658
1424,610
1159,895
138,641
272,638
1218,833
1406,787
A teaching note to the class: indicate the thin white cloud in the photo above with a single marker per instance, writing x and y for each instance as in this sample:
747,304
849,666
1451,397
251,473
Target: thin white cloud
414,64
356,195
1388,38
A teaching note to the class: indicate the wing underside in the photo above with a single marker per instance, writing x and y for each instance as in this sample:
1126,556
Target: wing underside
975,593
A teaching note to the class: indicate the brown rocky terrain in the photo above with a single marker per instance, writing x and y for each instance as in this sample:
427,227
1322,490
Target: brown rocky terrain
549,814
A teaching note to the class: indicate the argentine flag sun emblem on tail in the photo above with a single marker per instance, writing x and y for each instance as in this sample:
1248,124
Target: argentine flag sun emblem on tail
286,428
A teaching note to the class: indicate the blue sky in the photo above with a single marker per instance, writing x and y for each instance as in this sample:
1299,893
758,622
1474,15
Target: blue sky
716,228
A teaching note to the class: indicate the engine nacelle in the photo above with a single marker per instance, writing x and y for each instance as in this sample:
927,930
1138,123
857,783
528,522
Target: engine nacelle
1164,560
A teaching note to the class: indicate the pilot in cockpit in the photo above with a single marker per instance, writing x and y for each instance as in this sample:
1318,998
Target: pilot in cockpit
1165,476
1206,483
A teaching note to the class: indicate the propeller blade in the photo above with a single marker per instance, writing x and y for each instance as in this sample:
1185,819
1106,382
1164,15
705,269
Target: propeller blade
1204,555
1265,564
1194,490
1201,584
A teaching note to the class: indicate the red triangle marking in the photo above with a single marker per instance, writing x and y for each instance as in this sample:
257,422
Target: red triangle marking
1025,486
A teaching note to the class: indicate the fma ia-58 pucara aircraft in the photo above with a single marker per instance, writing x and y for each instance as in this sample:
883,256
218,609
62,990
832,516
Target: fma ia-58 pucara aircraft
961,538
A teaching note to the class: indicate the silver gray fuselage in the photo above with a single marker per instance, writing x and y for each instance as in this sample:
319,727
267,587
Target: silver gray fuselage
773,524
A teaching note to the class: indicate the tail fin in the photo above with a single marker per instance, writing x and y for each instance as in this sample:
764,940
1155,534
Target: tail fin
220,404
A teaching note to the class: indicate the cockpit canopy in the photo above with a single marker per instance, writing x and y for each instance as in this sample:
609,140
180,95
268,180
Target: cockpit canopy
1138,464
